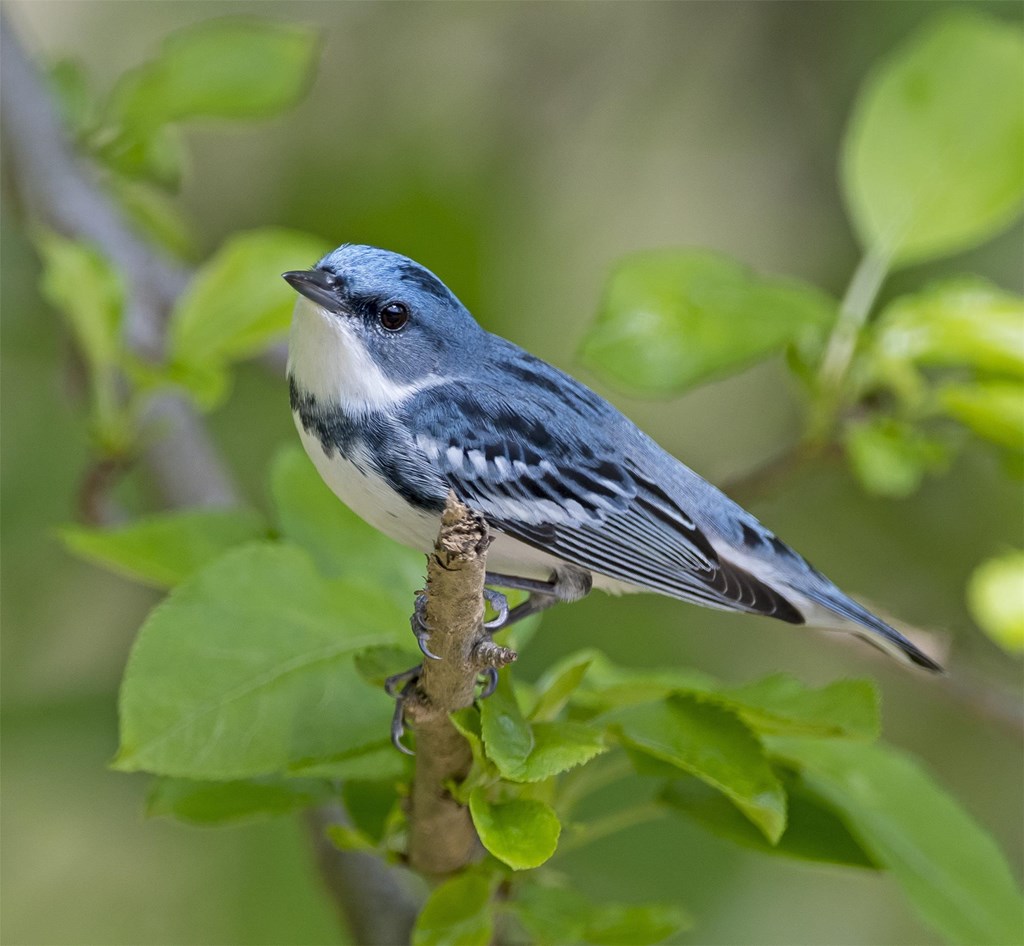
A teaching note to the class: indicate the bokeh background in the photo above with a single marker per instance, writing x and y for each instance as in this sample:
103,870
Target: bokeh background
518,150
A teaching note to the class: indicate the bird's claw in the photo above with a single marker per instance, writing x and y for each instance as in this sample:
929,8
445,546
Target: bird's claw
500,604
490,683
407,679
420,627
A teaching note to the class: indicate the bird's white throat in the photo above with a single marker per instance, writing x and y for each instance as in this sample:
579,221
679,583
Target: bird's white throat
328,359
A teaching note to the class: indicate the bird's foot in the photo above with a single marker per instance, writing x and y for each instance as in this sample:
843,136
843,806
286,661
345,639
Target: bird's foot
420,627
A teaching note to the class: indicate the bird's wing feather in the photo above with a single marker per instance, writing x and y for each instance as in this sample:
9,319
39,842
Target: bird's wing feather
581,499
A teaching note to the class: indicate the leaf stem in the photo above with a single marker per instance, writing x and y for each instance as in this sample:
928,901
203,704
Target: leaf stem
842,344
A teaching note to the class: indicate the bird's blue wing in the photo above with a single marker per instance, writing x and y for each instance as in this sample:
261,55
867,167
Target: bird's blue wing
549,474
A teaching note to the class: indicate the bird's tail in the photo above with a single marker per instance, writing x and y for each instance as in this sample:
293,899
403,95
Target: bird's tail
860,621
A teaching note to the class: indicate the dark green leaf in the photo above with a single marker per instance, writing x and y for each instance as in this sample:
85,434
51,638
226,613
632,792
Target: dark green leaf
374,760
931,161
166,548
237,303
457,913
156,154
992,409
522,833
950,869
671,319
712,743
235,67
557,747
237,800
369,805
891,458
996,598
246,669
340,542
376,664
813,831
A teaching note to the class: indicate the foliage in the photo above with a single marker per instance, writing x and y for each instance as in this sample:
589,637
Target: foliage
254,687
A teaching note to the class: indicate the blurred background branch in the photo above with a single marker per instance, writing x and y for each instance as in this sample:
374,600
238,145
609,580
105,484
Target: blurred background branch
56,187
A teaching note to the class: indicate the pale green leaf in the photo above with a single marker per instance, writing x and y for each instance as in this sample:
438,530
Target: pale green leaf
154,154
156,214
995,595
613,924
557,747
782,704
891,458
553,916
712,743
950,869
80,282
165,548
507,736
457,913
933,159
555,688
247,669
671,319
70,85
522,833
992,409
346,838
238,303
235,800
234,67
373,760
961,322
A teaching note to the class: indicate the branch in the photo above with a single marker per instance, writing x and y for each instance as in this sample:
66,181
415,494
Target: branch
442,838
55,186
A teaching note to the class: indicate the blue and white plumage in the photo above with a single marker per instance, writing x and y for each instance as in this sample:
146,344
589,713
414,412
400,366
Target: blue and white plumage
400,396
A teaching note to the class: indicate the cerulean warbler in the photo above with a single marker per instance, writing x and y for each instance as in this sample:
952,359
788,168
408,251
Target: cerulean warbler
399,396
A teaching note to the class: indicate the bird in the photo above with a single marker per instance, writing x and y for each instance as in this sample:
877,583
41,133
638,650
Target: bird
400,397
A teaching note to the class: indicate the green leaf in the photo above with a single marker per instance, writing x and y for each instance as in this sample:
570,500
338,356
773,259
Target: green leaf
236,800
374,760
70,86
235,67
671,319
995,595
607,686
370,805
891,458
782,704
992,409
958,322
613,924
712,743
813,830
552,916
340,542
346,838
238,303
155,154
246,669
457,913
558,684
932,156
557,747
375,664
522,833
80,282
166,548
949,868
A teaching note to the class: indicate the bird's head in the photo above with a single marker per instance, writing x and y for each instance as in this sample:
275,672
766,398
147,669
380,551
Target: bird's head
369,311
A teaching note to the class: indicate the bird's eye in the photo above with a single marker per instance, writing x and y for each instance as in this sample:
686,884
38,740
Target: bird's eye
394,316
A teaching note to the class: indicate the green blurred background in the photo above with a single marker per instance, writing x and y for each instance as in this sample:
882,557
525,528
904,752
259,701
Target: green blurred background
518,150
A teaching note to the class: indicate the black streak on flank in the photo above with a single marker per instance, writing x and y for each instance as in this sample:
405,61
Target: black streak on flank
751,538
425,282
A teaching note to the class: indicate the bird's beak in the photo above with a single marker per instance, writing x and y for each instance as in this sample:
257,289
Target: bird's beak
316,285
